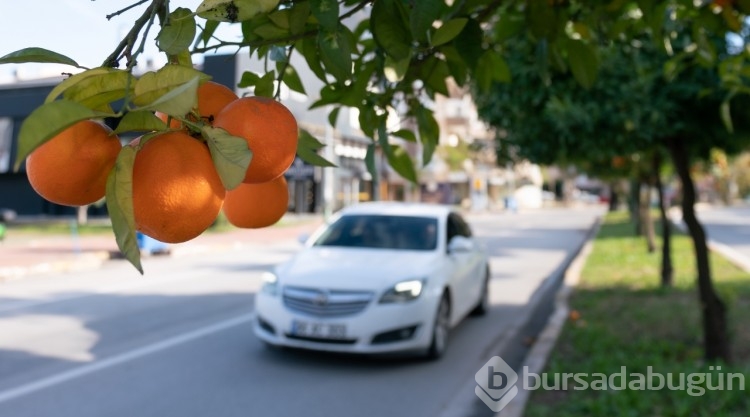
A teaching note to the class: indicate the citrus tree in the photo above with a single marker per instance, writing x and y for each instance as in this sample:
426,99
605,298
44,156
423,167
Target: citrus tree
643,103
380,57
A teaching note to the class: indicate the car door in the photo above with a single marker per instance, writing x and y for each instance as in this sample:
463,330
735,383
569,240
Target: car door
476,261
462,266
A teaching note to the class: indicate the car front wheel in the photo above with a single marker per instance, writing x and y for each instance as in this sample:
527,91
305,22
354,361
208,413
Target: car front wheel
483,304
440,329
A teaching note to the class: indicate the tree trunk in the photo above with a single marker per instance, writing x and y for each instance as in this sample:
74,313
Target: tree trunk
715,335
647,221
635,205
667,271
614,197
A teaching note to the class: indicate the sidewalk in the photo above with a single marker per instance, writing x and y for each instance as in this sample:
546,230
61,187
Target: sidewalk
29,255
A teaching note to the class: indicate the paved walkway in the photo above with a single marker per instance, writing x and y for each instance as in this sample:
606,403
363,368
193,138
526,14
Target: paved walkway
27,255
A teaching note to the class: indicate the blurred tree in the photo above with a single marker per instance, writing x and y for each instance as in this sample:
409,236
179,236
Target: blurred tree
632,108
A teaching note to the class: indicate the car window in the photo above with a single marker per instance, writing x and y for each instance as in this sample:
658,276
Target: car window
456,226
381,231
463,227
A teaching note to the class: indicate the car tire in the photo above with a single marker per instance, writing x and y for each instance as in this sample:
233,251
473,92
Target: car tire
483,305
440,329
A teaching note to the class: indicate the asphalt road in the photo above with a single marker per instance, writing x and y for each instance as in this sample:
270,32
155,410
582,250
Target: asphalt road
729,226
178,341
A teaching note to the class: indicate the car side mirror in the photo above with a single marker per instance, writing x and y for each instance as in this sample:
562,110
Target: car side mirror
302,239
460,244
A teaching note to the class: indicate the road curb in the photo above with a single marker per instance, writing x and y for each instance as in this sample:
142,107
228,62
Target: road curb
82,262
537,357
539,326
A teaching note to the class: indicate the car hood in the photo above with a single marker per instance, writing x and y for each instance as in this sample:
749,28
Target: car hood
355,268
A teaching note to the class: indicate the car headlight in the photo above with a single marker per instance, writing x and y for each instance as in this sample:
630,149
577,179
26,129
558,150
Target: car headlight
403,291
270,283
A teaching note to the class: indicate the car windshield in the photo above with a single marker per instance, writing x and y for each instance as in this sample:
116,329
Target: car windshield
383,232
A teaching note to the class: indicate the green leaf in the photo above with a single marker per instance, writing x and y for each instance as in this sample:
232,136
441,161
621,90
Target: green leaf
313,158
456,64
333,116
370,161
336,53
119,199
354,94
140,121
153,85
405,134
400,161
368,120
395,71
280,18
509,25
583,62
329,94
75,79
178,101
437,75
291,78
230,154
298,17
422,16
46,121
541,19
307,150
27,55
271,31
99,90
448,31
234,10
264,86
388,25
726,115
307,140
178,34
309,49
483,74
248,79
208,31
429,133
382,132
469,43
491,67
327,13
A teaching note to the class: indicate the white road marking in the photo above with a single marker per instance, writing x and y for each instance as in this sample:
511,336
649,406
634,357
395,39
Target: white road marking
105,363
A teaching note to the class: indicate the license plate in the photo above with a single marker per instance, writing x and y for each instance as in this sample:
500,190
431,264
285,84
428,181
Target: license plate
318,330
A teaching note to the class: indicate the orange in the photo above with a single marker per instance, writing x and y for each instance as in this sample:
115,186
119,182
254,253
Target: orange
212,97
257,205
177,193
72,168
270,131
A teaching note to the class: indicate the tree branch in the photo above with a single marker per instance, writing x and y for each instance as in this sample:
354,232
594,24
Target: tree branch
354,10
125,48
121,11
255,44
282,70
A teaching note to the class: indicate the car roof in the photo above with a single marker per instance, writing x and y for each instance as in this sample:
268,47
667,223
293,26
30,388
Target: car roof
395,208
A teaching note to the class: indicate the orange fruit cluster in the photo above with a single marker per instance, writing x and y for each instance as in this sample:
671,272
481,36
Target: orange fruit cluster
177,192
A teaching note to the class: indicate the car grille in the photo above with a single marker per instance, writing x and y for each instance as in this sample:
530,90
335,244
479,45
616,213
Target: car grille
325,303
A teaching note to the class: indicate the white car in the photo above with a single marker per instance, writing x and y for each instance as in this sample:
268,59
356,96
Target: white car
379,277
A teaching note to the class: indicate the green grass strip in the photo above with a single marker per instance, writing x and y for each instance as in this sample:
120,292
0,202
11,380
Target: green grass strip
620,316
